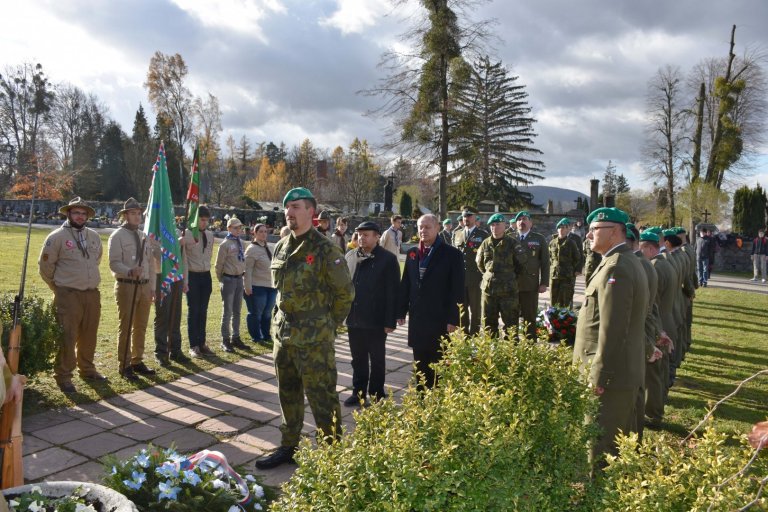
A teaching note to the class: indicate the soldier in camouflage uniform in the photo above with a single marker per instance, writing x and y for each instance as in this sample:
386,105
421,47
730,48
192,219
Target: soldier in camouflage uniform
564,258
500,259
314,294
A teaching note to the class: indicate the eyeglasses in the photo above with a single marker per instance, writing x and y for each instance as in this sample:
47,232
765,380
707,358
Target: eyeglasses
592,229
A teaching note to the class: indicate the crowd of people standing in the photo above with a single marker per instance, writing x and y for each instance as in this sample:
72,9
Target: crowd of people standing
633,329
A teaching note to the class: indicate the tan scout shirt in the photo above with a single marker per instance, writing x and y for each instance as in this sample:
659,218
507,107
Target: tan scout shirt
227,261
122,252
195,258
257,266
70,259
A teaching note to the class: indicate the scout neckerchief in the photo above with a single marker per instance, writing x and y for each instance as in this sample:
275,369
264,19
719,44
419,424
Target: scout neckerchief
266,248
240,253
81,239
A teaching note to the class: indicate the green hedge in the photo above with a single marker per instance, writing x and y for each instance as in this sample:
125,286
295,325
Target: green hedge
40,333
504,430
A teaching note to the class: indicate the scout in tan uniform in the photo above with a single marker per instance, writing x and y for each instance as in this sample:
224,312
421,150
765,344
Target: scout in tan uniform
230,268
134,277
610,331
69,265
197,282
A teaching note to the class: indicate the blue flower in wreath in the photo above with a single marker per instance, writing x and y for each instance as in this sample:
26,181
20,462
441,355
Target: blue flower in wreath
168,470
191,477
168,491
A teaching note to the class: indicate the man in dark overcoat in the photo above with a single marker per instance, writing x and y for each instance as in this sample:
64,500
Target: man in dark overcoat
431,288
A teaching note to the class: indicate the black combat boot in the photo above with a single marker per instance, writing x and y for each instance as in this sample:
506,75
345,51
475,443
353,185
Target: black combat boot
280,456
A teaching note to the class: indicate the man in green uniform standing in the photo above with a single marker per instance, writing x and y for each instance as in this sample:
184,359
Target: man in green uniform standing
535,276
692,280
657,373
468,241
314,294
610,331
500,259
564,258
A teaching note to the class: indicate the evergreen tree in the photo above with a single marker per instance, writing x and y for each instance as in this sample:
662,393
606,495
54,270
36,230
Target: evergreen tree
749,209
493,134
112,162
140,153
406,204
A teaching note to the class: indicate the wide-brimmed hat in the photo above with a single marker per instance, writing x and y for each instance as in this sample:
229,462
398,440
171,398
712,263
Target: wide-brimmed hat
130,204
77,203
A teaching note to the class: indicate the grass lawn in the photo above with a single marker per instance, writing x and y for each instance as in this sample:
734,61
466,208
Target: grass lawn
42,393
730,343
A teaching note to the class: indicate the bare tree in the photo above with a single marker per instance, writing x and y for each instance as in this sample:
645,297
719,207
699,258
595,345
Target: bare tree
208,126
666,142
170,97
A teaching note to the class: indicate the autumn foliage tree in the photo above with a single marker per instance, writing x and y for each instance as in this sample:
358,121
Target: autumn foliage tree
270,184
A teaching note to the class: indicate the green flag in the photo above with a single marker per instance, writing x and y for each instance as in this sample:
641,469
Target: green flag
160,225
193,196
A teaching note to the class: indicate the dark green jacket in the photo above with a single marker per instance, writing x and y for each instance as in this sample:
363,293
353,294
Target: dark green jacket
500,264
536,271
564,258
469,245
610,331
314,290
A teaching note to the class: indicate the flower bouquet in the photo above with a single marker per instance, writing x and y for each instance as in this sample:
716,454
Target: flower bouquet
163,479
36,500
560,324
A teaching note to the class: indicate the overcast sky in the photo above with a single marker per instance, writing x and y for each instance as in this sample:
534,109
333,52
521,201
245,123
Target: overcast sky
285,70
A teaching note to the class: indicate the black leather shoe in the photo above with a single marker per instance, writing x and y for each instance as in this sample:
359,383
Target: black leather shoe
179,357
67,388
128,374
226,346
280,456
354,401
142,369
162,360
238,343
205,351
95,377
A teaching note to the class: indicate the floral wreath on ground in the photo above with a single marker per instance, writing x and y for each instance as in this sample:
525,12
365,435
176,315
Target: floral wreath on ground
559,323
163,479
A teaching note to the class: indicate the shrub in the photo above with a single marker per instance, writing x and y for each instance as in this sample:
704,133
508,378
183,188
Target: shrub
666,476
504,430
40,333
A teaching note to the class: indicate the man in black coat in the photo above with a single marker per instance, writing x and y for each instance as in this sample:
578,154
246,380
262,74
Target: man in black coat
375,273
430,291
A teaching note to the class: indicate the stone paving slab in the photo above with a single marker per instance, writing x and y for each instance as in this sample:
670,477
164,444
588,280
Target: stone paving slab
49,461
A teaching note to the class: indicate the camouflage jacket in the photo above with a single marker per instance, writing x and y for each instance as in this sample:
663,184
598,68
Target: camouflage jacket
591,259
500,262
314,290
469,246
564,258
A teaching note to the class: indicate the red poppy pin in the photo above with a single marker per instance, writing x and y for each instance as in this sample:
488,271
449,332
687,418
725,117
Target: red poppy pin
413,255
310,259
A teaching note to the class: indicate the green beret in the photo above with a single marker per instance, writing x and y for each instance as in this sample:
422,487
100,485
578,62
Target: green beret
649,236
656,230
669,232
563,222
496,217
522,214
297,193
459,218
447,222
608,215
679,230
630,235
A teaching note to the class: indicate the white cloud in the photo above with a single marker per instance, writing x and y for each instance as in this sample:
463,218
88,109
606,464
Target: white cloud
353,16
244,16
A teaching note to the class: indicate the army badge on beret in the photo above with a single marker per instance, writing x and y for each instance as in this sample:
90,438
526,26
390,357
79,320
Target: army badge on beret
496,217
297,193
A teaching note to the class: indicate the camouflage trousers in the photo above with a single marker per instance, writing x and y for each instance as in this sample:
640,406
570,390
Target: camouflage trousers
494,306
310,369
561,292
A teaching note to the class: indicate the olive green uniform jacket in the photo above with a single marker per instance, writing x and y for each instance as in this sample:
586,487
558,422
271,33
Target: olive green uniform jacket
564,258
500,261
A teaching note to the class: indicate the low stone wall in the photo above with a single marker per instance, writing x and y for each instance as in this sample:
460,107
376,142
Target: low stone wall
731,258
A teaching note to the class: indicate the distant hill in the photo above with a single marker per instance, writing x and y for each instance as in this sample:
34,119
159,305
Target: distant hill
565,197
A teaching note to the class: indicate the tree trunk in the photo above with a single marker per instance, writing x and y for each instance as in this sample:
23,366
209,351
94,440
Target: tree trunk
696,163
444,138
712,173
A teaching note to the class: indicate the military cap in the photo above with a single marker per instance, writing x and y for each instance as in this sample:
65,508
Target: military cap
522,214
368,226
649,236
608,215
298,193
496,217
563,222
630,234
447,222
679,230
468,212
130,204
669,232
233,222
77,203
459,218
656,230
